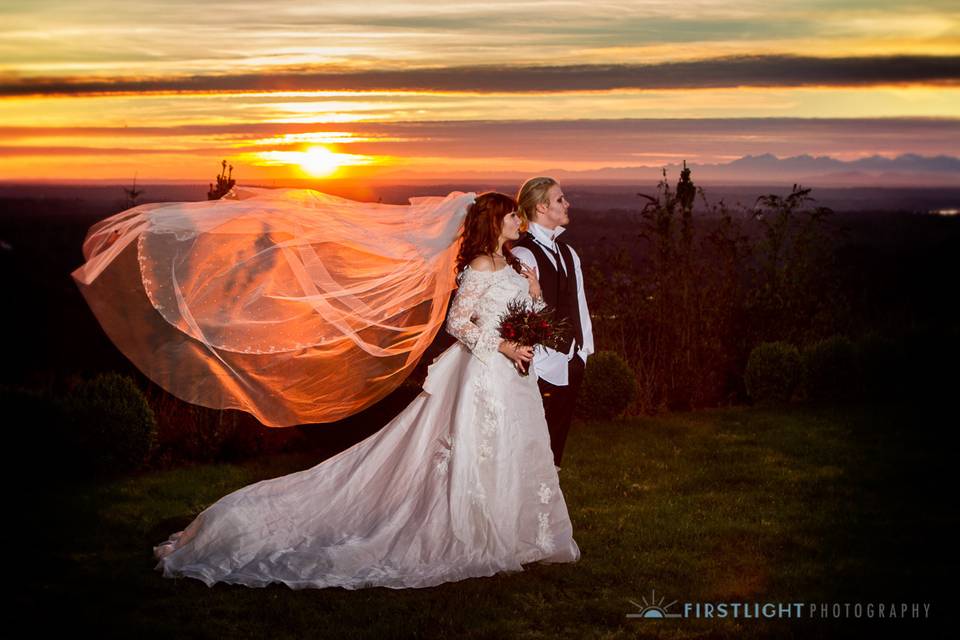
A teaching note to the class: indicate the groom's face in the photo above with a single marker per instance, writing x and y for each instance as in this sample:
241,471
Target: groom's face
554,212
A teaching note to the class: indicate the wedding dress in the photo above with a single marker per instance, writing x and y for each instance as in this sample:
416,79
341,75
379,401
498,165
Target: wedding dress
460,484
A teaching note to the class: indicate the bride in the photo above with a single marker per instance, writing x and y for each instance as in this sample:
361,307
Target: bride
460,484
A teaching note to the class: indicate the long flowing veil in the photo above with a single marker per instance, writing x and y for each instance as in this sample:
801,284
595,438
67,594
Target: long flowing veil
290,304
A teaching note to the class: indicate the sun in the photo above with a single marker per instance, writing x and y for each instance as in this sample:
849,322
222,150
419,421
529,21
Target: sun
319,161
316,161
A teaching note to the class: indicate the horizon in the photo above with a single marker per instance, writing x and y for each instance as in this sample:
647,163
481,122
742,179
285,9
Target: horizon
879,172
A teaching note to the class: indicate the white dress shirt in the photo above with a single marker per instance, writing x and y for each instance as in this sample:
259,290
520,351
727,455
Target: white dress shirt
549,364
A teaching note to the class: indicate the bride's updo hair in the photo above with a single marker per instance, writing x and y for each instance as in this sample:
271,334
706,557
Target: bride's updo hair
481,229
532,193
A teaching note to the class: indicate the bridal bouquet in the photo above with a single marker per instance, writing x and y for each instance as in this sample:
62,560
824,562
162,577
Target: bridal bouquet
530,328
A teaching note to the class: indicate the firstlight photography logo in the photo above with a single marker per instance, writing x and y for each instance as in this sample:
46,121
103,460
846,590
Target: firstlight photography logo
653,608
658,608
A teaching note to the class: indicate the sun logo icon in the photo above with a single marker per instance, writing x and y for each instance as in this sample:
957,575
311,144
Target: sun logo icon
653,609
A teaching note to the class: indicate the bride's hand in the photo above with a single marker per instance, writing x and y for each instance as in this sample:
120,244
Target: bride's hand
519,355
531,276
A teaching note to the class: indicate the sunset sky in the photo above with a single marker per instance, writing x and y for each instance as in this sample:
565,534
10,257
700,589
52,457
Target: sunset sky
388,90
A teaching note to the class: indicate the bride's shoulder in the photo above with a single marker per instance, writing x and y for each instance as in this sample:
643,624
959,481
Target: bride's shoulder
482,264
477,272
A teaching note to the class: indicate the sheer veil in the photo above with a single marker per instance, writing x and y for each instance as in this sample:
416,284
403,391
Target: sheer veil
290,304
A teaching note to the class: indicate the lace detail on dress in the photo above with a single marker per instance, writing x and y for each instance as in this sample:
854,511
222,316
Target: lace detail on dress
477,495
490,415
545,493
474,315
444,454
468,307
544,536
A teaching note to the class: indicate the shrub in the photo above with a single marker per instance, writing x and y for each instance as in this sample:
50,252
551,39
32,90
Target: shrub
191,433
608,386
111,423
830,370
773,372
188,432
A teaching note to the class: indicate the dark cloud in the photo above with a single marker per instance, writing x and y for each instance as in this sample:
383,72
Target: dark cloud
755,71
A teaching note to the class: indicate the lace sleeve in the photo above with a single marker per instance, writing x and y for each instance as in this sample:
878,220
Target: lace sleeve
483,343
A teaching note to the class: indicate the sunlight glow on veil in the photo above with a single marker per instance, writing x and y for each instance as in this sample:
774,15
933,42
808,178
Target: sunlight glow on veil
290,304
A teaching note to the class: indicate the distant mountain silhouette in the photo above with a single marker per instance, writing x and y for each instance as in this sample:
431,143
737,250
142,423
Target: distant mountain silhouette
903,171
905,162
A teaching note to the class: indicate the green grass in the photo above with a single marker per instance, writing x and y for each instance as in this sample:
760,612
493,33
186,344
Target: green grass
716,506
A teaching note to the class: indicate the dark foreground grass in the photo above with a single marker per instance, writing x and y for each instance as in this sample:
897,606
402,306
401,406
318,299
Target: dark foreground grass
739,505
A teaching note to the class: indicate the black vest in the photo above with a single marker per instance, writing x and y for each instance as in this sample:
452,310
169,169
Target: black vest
559,288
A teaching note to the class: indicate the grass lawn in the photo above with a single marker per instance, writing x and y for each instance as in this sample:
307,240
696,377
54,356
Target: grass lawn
733,505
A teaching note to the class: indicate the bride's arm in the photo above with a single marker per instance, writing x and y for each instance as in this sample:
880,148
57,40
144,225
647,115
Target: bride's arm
483,343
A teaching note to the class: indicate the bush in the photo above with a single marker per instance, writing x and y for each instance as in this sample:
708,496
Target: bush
773,372
830,372
609,386
188,433
111,423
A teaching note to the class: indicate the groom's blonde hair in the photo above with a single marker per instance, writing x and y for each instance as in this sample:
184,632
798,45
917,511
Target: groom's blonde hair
532,193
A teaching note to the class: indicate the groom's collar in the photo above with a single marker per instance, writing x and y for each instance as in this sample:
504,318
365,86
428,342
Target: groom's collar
545,236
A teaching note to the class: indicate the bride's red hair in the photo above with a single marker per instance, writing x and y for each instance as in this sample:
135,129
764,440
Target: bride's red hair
481,228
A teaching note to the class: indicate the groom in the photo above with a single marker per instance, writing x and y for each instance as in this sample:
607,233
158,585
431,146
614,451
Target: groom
541,201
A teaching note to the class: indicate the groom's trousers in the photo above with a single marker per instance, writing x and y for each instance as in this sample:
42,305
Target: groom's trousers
559,403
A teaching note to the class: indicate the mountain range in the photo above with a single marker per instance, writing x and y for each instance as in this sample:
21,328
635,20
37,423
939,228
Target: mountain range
906,170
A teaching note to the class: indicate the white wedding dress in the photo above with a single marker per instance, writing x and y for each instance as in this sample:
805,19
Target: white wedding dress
460,484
